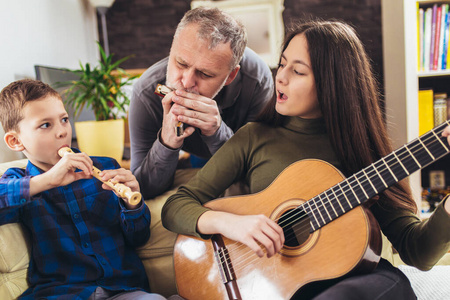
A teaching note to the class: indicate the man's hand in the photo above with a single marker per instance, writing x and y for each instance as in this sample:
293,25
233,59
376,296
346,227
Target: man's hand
198,111
251,230
63,173
168,132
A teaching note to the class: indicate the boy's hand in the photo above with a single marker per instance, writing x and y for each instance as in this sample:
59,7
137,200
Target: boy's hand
63,173
122,176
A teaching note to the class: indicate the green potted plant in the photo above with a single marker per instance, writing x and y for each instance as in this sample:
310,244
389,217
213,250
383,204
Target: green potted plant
101,88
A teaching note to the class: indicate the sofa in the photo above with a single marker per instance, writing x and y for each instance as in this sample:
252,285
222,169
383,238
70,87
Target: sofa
157,255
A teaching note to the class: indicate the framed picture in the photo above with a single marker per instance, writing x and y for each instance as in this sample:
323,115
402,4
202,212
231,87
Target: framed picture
263,20
437,179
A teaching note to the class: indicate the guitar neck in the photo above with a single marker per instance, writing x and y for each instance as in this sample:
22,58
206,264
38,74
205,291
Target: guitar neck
376,177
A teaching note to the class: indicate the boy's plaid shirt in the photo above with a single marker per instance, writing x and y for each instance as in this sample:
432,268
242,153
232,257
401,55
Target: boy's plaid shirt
82,236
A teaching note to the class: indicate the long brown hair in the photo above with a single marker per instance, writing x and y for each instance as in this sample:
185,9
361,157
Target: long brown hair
349,100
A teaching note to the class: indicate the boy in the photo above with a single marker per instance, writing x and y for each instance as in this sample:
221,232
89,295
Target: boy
83,236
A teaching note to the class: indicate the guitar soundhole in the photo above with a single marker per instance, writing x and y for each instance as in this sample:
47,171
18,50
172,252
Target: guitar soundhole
296,227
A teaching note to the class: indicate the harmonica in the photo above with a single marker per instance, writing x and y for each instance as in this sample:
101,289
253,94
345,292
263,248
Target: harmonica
121,190
162,90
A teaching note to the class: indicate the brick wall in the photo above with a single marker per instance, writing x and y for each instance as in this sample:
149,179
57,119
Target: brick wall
145,28
364,15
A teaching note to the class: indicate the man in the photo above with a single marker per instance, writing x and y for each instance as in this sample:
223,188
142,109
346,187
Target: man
219,85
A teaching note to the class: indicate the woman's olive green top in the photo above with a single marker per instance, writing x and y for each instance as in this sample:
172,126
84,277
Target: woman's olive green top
258,153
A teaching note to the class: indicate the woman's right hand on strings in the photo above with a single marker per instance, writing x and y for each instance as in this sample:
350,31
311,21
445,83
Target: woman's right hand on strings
251,230
446,133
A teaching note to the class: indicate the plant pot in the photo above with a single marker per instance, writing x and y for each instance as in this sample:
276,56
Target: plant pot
101,138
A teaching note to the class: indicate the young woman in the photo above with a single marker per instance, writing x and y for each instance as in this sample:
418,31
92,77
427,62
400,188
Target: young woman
327,108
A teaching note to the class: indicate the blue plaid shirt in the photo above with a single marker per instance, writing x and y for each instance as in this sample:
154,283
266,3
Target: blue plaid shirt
82,235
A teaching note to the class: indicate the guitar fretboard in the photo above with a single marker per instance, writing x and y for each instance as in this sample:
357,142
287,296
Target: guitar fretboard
376,177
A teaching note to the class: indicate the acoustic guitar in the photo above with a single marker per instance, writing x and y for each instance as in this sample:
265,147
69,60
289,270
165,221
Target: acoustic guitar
328,233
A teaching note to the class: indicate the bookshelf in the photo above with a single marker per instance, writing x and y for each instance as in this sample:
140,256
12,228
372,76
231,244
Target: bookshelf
402,80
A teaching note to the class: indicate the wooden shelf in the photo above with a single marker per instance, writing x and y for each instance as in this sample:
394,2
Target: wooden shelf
433,73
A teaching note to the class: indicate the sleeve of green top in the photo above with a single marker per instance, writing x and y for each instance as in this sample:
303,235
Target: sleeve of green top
419,243
182,209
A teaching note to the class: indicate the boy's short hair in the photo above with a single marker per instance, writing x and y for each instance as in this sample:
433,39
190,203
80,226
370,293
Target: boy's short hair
14,97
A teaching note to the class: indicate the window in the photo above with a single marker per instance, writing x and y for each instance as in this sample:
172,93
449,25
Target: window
263,20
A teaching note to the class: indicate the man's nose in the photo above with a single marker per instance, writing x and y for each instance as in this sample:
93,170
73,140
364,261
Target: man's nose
188,79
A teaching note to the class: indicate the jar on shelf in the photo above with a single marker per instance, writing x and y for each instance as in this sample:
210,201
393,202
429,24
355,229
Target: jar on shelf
440,108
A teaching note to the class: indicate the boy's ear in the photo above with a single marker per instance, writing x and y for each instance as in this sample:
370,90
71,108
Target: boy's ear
13,142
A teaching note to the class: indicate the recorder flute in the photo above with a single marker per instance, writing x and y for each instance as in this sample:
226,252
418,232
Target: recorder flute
121,190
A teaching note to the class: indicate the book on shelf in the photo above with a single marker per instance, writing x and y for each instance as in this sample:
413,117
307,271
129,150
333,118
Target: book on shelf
445,39
427,36
420,38
433,109
426,116
437,33
444,10
440,108
433,37
447,35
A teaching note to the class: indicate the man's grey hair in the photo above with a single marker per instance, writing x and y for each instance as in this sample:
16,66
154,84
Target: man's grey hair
217,27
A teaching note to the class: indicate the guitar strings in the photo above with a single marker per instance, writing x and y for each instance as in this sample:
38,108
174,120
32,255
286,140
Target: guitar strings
243,261
370,176
320,204
240,265
373,174
364,181
340,189
321,200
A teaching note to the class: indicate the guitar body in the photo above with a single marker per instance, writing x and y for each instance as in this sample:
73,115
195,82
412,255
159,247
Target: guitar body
349,244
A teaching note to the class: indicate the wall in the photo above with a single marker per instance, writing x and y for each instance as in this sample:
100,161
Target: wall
364,15
145,27
56,33
60,33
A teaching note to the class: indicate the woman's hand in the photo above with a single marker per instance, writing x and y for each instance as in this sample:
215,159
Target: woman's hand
446,133
251,230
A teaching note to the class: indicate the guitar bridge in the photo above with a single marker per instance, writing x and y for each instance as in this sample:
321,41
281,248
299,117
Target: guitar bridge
225,268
